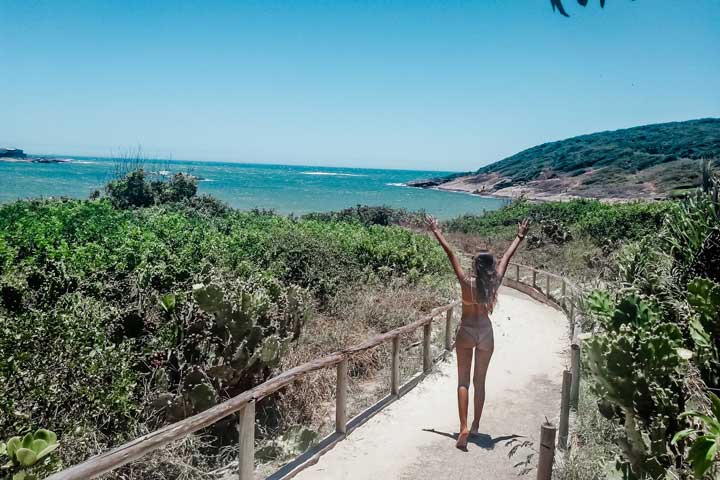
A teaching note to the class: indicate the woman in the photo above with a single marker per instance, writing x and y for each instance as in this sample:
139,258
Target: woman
475,334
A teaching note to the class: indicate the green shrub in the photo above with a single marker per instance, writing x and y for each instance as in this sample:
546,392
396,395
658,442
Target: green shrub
559,222
625,221
367,215
100,326
134,190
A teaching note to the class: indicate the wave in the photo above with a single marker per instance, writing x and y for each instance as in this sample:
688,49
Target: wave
334,174
83,162
396,184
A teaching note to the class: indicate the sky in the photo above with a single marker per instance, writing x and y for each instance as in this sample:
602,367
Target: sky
428,85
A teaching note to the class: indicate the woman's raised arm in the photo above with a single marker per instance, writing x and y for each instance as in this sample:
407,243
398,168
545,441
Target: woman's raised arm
433,226
523,228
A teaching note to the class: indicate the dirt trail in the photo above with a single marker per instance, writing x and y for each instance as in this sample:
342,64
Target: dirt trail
414,437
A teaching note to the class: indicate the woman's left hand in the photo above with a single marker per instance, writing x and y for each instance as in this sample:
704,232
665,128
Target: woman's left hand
523,228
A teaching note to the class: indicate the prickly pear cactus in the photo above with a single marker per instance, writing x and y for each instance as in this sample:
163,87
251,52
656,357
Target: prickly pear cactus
637,364
237,333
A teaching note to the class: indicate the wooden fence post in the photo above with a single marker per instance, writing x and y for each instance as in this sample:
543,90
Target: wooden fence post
427,348
547,285
448,330
564,410
547,451
534,277
575,368
517,272
564,287
395,376
246,436
341,398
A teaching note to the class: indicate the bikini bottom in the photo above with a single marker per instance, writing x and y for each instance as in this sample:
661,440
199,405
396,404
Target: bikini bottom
472,336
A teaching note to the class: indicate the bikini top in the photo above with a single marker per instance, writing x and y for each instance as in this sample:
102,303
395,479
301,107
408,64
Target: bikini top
473,292
473,289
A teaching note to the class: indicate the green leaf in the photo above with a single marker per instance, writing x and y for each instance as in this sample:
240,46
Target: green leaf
38,445
13,445
26,457
49,449
684,353
27,440
702,449
168,302
46,435
682,435
21,475
715,400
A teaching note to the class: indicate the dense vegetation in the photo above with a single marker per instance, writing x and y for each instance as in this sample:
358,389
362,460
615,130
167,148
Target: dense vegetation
559,222
115,313
622,151
655,352
370,215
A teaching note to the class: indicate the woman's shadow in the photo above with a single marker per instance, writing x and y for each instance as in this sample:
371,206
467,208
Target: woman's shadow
482,440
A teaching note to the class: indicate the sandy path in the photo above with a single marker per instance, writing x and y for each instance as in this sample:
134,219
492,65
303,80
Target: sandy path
412,438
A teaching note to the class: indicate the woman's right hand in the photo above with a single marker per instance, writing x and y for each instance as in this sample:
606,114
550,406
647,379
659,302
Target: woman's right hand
431,223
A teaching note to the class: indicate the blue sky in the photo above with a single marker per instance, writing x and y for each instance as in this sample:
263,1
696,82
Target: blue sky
447,85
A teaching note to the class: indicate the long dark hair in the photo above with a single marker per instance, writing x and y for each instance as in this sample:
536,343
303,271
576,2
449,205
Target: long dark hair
486,279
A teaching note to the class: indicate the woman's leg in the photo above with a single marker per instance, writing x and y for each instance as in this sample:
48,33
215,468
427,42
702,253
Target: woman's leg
482,361
464,362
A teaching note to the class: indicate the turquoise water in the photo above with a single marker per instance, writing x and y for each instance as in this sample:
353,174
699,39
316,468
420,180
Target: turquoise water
285,189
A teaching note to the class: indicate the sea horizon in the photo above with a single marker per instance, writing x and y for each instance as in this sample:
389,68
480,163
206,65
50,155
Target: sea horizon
285,189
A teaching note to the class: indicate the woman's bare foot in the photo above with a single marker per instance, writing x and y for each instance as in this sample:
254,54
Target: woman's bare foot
462,440
475,427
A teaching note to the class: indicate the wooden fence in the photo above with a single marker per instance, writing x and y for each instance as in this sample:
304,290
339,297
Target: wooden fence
244,406
544,286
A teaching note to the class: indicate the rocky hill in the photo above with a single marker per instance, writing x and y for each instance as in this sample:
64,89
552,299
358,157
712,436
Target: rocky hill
650,161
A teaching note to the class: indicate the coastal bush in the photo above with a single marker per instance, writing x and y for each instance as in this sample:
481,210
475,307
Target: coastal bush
135,190
624,221
368,215
115,318
559,222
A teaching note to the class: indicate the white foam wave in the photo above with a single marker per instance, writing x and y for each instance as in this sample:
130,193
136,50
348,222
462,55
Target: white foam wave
396,184
334,174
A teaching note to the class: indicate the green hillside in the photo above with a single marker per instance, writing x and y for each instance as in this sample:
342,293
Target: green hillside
616,153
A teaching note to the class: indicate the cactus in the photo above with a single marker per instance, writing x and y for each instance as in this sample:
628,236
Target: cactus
241,333
29,456
637,365
704,300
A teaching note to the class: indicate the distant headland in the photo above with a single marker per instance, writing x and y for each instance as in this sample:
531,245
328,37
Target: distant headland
18,155
641,163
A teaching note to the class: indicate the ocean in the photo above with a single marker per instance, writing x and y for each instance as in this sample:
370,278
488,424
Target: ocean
282,188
